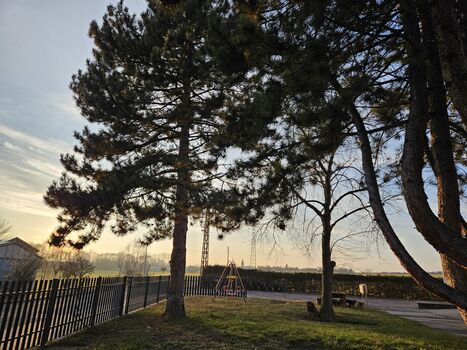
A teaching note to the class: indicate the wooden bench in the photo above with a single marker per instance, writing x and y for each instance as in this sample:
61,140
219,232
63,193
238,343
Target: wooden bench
340,299
337,299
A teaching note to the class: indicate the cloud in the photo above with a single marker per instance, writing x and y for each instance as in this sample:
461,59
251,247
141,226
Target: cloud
6,100
67,106
47,145
48,169
12,146
28,166
25,201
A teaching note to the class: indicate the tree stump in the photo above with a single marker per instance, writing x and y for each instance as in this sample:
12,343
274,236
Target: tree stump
311,308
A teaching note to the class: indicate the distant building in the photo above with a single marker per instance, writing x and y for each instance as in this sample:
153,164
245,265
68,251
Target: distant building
13,252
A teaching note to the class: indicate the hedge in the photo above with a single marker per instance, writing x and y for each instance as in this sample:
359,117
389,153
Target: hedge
382,286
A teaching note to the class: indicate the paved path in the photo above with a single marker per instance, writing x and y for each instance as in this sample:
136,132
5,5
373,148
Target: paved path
447,320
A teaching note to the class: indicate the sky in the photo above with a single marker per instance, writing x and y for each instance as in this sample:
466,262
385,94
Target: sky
42,43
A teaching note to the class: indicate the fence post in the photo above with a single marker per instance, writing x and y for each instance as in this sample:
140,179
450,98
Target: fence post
168,288
159,288
122,298
146,292
49,312
95,301
128,296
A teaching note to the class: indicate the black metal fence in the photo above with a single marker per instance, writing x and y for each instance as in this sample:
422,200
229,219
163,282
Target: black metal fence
196,285
33,313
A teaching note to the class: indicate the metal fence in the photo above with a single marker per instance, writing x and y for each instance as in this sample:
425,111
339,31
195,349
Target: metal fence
33,313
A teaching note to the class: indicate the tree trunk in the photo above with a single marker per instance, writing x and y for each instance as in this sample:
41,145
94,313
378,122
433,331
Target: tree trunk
456,277
175,307
442,237
423,278
451,52
442,155
175,300
462,15
326,311
420,276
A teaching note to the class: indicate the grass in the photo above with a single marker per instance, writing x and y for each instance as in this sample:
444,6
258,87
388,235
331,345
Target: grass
260,324
112,273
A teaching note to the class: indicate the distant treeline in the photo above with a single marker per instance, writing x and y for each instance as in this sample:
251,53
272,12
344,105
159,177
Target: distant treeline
130,262
292,269
383,286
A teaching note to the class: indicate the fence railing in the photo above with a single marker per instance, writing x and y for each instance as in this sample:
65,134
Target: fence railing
33,313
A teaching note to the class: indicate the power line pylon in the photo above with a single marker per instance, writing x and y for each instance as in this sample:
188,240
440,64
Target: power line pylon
205,248
253,250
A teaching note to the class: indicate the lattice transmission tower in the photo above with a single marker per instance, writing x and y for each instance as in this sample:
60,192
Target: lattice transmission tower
205,248
253,250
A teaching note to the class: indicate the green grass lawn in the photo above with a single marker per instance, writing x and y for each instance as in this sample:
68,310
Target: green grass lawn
112,273
260,324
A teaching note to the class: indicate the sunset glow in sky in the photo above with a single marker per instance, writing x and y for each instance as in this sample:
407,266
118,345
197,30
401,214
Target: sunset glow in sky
42,43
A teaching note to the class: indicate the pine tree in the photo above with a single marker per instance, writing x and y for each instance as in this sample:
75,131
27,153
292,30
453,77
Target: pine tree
299,126
153,96
374,65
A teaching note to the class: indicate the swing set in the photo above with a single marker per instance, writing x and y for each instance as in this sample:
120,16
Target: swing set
230,283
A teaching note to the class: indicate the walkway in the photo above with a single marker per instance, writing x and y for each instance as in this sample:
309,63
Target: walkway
447,320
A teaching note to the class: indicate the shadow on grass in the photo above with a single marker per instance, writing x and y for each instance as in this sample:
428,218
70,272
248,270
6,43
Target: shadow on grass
305,345
260,324
341,319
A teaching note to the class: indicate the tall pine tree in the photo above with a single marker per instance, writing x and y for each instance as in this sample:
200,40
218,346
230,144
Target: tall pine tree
300,124
153,96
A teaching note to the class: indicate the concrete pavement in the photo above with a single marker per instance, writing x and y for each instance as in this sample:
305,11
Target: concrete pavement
447,320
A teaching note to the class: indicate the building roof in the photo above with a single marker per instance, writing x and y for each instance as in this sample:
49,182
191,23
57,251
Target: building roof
21,243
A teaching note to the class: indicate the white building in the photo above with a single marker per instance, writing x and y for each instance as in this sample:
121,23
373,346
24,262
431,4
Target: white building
15,249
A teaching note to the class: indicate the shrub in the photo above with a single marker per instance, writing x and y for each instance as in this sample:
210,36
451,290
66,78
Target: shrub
383,286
